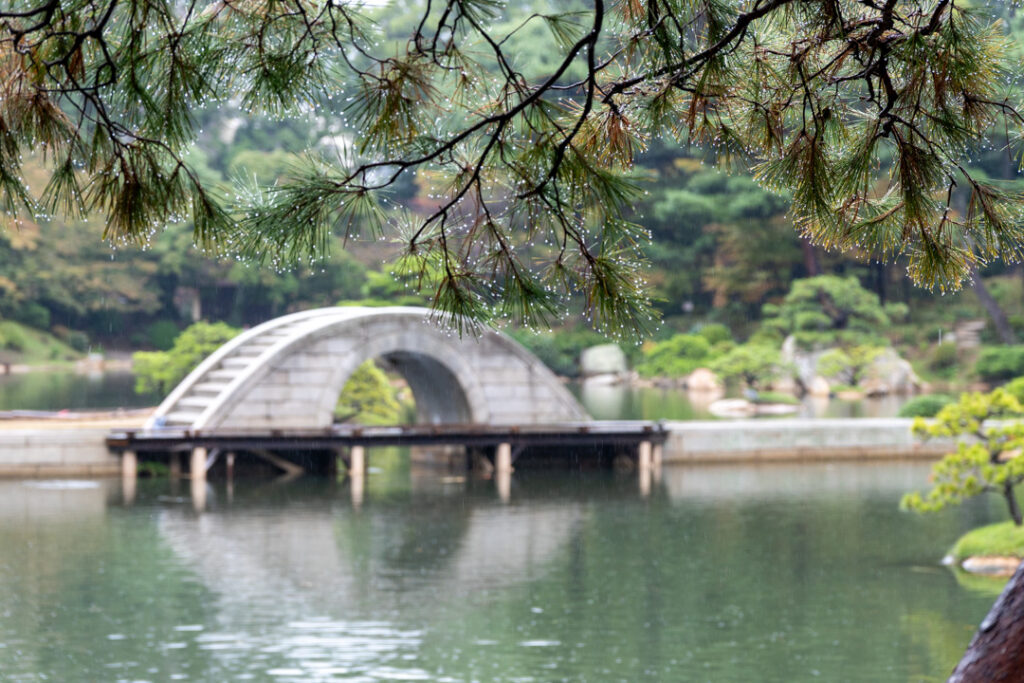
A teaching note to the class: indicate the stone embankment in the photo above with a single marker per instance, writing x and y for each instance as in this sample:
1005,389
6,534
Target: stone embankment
796,439
62,445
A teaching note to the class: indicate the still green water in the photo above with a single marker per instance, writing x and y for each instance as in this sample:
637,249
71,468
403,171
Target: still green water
760,573
67,390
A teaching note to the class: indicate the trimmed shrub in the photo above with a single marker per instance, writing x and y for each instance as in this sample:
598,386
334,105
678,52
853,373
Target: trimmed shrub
1015,388
161,334
928,405
942,357
677,356
14,339
715,333
1000,363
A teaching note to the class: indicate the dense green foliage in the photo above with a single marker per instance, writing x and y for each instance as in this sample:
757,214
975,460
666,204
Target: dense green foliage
369,398
987,457
753,364
1000,363
1015,388
828,310
849,365
927,405
677,356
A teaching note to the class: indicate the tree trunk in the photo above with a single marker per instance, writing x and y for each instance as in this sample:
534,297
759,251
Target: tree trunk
996,313
810,258
996,652
1011,502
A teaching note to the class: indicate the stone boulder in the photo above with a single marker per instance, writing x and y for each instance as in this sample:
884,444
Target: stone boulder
819,386
890,374
703,379
804,362
605,359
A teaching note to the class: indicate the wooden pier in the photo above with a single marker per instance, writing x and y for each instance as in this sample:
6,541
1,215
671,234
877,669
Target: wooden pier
629,433
568,443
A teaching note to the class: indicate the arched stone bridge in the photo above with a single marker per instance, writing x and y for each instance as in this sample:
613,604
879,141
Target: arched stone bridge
289,372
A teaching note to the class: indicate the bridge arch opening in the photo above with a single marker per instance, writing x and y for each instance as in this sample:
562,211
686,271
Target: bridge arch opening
403,387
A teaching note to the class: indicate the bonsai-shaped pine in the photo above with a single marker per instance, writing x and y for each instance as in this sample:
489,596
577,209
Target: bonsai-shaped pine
987,461
829,310
754,364
850,365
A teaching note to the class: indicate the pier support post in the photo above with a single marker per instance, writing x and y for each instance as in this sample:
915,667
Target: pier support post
503,459
356,461
197,464
657,457
503,482
229,466
356,488
174,465
129,476
644,457
197,472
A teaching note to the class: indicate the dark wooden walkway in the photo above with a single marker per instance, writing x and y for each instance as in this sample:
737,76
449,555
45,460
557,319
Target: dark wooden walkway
629,434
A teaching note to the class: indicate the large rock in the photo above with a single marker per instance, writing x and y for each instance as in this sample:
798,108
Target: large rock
819,386
703,379
605,359
803,361
889,373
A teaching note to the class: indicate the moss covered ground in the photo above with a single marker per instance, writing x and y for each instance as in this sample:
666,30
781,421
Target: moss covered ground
1003,539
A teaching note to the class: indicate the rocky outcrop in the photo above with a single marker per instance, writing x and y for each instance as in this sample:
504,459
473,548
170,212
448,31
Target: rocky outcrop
703,379
605,359
888,372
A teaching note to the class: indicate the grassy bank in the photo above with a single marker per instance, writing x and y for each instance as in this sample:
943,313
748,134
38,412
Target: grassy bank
23,345
1003,539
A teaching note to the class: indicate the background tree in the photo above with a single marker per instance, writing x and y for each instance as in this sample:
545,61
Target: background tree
988,463
828,310
849,365
534,167
369,398
160,370
753,364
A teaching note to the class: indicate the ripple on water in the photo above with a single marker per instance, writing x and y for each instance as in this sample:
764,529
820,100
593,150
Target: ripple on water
62,484
540,643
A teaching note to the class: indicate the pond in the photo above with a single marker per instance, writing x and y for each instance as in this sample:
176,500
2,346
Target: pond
67,390
744,573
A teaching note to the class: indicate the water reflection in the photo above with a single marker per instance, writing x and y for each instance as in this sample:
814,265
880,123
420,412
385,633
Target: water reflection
72,391
767,573
781,481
